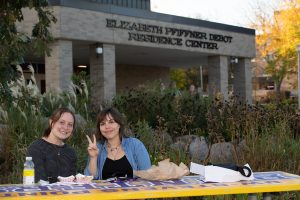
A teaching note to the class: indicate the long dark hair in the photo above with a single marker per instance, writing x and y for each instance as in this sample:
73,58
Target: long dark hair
117,116
55,117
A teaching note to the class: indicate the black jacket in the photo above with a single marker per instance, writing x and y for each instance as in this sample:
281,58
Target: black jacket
51,161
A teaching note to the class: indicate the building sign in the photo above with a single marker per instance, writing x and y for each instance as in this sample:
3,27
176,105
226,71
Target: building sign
167,35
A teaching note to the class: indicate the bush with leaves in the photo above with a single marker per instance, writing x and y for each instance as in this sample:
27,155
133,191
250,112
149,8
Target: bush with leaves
270,132
25,116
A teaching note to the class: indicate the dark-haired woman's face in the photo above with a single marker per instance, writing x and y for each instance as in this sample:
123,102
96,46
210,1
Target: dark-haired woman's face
109,128
63,127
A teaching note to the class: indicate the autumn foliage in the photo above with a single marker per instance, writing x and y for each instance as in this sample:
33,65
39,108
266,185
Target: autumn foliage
277,38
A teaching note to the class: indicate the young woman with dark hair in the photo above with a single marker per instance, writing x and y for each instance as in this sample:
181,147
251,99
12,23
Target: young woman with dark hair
112,154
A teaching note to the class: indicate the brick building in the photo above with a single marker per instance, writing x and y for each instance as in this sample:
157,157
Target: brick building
122,44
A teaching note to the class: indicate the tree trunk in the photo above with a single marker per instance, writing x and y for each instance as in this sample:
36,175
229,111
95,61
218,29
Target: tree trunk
277,90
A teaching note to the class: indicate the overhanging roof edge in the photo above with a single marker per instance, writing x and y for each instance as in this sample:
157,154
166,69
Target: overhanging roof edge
92,5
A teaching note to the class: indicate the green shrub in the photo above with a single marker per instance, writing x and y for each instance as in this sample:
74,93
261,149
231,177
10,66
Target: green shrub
157,117
24,126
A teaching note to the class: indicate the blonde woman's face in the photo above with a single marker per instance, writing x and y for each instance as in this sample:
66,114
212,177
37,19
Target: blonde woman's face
63,128
109,128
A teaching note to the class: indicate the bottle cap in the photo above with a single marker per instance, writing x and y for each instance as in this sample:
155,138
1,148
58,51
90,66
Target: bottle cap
28,158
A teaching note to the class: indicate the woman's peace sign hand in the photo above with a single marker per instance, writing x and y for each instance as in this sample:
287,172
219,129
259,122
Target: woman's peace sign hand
92,148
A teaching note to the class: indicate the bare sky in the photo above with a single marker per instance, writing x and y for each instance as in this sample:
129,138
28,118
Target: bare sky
233,12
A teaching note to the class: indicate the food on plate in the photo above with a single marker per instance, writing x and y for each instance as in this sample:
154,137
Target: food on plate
80,178
66,179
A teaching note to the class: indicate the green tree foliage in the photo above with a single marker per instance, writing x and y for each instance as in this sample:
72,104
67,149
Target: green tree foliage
185,77
193,76
15,44
179,76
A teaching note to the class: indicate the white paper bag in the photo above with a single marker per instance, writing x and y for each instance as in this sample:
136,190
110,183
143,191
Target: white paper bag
219,174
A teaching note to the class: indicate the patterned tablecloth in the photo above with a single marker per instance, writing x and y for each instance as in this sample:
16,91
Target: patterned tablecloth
275,181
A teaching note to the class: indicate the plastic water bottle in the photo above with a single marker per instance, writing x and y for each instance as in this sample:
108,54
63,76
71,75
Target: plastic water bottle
28,172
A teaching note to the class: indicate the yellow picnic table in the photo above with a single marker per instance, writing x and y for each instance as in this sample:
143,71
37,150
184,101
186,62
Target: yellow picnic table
275,181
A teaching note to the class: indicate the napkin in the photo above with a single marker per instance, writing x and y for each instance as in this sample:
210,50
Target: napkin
165,170
213,173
